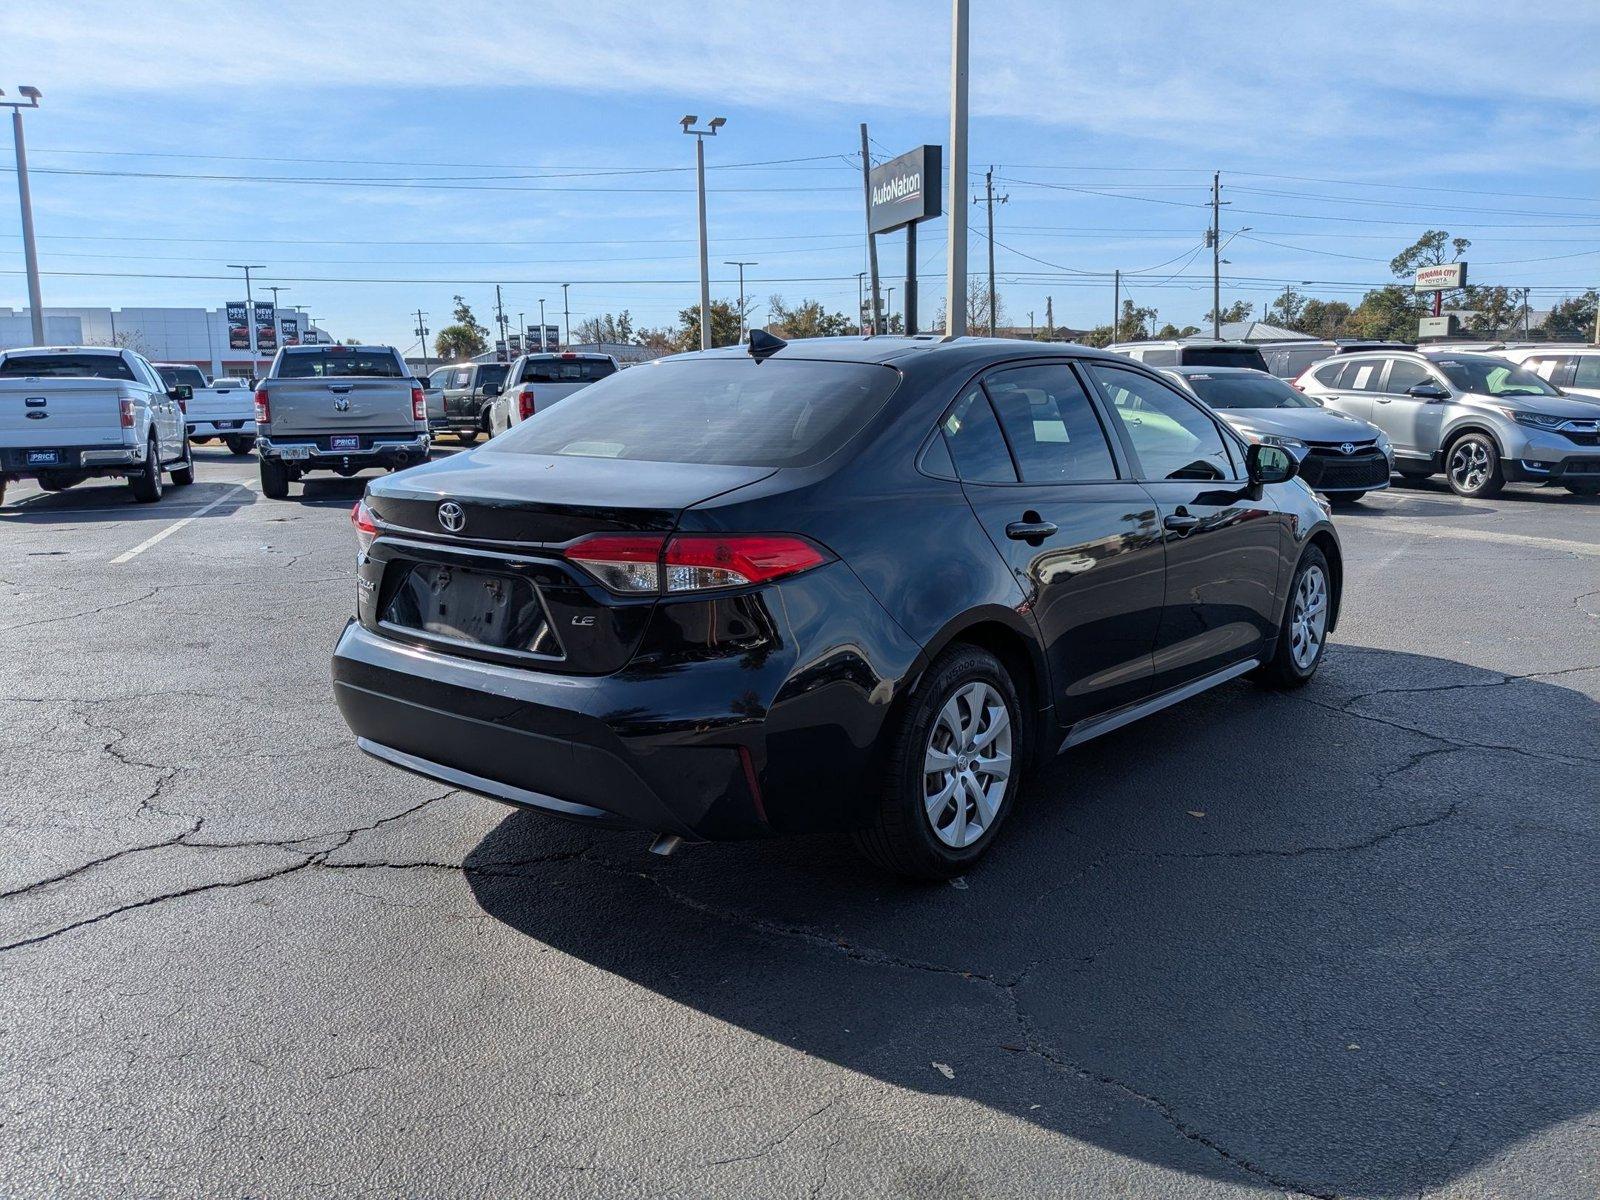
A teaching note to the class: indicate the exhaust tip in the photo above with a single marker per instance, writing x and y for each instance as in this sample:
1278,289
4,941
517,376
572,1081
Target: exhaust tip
665,844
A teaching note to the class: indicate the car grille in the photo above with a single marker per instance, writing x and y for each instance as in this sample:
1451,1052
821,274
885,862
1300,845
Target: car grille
1582,439
1327,467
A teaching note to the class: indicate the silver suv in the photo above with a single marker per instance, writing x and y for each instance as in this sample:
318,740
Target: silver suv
1483,421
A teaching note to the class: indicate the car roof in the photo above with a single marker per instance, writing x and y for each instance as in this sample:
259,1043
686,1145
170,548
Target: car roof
889,349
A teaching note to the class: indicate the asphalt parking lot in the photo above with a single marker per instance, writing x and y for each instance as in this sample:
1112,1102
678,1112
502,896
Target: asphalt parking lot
1337,943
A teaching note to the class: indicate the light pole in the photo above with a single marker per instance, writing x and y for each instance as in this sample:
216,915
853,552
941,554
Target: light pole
522,332
250,308
888,306
275,291
542,346
30,253
861,302
700,136
741,264
566,313
956,192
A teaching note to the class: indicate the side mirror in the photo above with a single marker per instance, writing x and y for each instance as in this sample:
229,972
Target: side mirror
1427,391
1270,464
491,389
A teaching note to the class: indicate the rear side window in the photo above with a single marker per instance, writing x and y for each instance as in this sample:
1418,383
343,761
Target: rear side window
1558,369
1329,374
1172,438
1588,374
975,441
1158,358
340,362
1362,376
66,366
732,411
566,370
1054,434
1404,374
491,373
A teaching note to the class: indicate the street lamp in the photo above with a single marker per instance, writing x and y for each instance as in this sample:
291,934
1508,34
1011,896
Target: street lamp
741,264
30,253
700,136
542,346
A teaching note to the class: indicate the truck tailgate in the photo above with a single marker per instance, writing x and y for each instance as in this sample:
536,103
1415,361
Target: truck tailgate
339,405
60,412
222,404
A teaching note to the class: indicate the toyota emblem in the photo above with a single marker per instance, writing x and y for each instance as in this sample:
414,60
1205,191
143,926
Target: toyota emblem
452,516
1348,448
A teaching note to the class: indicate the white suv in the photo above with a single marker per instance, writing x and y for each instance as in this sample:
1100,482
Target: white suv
1573,369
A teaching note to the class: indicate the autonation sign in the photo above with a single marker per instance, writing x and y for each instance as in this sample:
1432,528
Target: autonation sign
905,189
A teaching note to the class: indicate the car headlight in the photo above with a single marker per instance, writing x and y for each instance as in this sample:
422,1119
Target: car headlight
1294,445
1535,419
1385,445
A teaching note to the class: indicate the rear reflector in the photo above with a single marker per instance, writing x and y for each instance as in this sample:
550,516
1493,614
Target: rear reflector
263,407
693,562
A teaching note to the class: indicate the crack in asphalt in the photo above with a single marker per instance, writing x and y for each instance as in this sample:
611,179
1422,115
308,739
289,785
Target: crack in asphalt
1366,843
772,1145
93,612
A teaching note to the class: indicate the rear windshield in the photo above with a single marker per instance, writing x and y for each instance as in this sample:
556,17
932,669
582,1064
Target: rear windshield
1488,376
340,361
492,373
67,366
1223,356
1254,390
715,411
189,375
565,370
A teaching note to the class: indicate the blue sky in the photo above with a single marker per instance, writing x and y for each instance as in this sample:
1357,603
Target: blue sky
420,150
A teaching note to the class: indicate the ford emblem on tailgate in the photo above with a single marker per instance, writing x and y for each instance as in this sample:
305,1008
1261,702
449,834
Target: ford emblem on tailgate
452,516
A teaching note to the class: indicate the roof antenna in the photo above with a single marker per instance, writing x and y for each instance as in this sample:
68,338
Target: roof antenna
764,345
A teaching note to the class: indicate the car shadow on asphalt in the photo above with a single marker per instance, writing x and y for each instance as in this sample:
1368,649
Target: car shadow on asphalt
1337,941
110,501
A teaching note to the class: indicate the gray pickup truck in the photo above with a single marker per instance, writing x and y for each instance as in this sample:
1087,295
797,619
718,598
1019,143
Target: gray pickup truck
340,409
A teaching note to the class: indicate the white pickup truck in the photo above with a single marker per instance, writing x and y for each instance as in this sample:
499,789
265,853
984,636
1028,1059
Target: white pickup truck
536,381
221,408
70,413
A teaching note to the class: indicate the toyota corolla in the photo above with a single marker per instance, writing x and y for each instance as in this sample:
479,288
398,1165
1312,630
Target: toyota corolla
857,585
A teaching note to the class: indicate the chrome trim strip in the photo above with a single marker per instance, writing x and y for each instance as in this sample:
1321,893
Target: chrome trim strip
492,788
1093,727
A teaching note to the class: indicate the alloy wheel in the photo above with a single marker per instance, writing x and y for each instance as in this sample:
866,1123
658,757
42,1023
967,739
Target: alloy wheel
1470,465
967,765
1308,620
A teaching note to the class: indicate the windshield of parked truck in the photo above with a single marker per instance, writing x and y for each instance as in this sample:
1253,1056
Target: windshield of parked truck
334,362
66,366
1246,390
1486,375
566,370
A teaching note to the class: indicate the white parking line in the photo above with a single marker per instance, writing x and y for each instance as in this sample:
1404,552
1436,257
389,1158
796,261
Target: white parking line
1485,535
129,555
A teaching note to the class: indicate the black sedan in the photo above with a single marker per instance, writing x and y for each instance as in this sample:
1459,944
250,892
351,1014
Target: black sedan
850,584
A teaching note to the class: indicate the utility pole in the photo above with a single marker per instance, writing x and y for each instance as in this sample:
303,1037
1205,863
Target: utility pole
566,308
741,264
1216,254
541,323
956,194
522,332
990,201
1525,313
250,309
1116,306
1050,317
422,332
888,308
861,302
30,253
500,319
700,136
872,240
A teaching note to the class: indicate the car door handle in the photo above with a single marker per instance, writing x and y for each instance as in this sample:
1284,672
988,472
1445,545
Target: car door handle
1181,522
1384,399
1022,531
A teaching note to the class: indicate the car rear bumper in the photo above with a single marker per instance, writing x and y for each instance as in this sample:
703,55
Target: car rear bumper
221,427
94,460
578,747
323,451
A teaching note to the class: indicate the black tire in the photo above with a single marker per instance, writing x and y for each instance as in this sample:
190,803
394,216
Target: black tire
901,838
241,445
1587,487
467,436
146,485
1283,670
2,493
274,479
202,441
1472,467
1344,499
183,473
57,483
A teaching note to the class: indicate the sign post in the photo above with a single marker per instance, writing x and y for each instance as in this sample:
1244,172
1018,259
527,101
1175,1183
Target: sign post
904,191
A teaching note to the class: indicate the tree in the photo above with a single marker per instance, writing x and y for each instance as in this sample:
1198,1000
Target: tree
608,328
1324,318
466,338
1573,318
1387,313
806,319
724,326
1429,250
1493,308
980,302
1239,310
1287,309
1170,332
1133,322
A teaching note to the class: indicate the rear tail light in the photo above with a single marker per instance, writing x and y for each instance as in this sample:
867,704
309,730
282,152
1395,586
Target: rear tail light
419,405
183,405
366,527
125,409
693,562
263,407
525,404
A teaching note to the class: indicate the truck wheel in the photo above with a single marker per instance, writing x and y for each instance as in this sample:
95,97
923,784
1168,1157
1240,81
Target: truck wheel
183,473
56,483
466,436
241,445
274,479
1472,466
146,485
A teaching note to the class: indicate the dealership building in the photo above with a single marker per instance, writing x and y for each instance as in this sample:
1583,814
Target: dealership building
178,335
